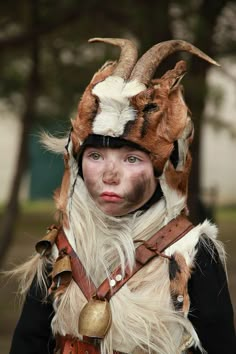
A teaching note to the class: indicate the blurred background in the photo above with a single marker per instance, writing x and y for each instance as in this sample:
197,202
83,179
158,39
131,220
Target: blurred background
45,64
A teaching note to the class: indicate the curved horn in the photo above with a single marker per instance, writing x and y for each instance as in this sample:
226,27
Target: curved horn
147,64
128,56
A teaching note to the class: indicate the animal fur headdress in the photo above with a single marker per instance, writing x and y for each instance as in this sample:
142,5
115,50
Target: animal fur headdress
123,101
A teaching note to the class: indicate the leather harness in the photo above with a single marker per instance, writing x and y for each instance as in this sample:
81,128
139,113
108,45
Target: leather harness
144,253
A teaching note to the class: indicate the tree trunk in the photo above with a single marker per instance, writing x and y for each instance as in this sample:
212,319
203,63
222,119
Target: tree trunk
196,92
12,208
196,102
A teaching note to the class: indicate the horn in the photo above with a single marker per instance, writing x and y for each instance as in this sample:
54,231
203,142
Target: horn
147,64
128,56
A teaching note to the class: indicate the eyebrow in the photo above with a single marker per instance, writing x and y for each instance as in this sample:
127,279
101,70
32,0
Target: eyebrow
127,147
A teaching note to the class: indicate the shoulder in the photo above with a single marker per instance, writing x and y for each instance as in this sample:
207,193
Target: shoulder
199,237
211,311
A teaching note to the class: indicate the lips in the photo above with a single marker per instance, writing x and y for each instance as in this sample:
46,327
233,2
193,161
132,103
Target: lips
110,197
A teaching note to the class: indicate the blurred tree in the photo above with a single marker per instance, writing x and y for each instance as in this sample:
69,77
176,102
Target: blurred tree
46,62
202,31
31,89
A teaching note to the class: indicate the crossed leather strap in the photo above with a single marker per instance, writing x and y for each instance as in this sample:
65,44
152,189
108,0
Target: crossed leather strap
144,253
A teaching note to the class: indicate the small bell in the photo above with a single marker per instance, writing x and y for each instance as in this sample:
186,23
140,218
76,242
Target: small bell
62,270
95,318
44,246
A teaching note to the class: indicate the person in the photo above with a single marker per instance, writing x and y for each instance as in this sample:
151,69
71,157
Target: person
124,270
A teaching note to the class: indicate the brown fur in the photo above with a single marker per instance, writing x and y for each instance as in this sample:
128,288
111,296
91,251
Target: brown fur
166,122
160,120
154,129
88,107
179,285
178,180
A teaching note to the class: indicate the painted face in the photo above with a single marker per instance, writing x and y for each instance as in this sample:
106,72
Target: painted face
119,180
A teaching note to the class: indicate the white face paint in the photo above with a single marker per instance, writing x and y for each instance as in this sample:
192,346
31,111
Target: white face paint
119,180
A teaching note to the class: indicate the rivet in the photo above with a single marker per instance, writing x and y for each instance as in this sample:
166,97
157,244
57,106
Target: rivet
180,298
118,277
112,282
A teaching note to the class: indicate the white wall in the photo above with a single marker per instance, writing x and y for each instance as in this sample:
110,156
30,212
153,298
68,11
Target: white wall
219,164
10,129
218,150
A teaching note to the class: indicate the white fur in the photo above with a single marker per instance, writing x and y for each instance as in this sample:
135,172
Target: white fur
187,245
183,144
173,199
142,311
143,318
116,111
53,144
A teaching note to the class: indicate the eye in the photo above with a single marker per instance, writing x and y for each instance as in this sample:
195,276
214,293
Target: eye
132,159
94,155
150,107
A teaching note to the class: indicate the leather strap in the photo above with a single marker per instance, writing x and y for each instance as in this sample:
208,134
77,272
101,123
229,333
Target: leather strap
154,247
69,345
78,271
164,238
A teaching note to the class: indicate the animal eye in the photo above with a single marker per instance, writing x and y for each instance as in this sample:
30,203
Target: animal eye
150,107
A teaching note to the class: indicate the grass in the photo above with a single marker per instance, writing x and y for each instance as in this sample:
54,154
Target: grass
224,214
31,225
36,206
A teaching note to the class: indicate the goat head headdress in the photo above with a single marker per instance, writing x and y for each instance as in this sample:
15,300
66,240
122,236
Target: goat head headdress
124,101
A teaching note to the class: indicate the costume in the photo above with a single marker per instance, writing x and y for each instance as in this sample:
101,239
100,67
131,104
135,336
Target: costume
150,312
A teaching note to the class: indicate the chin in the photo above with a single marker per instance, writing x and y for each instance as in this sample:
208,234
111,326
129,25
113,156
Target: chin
115,212
111,210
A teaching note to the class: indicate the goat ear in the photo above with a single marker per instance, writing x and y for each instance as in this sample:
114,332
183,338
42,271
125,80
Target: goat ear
171,79
176,82
106,70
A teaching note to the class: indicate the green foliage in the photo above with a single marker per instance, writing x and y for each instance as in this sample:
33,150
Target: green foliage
67,62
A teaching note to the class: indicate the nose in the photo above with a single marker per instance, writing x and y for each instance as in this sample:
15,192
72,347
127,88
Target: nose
111,174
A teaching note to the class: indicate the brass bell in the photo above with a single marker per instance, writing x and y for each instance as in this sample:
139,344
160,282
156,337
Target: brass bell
62,270
44,246
95,318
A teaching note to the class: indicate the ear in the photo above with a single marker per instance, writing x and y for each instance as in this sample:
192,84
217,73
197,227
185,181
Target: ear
176,82
172,78
141,99
106,70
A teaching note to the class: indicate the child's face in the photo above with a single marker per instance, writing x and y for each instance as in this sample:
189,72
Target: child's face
119,180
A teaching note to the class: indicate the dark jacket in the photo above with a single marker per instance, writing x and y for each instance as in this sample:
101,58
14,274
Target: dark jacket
211,312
